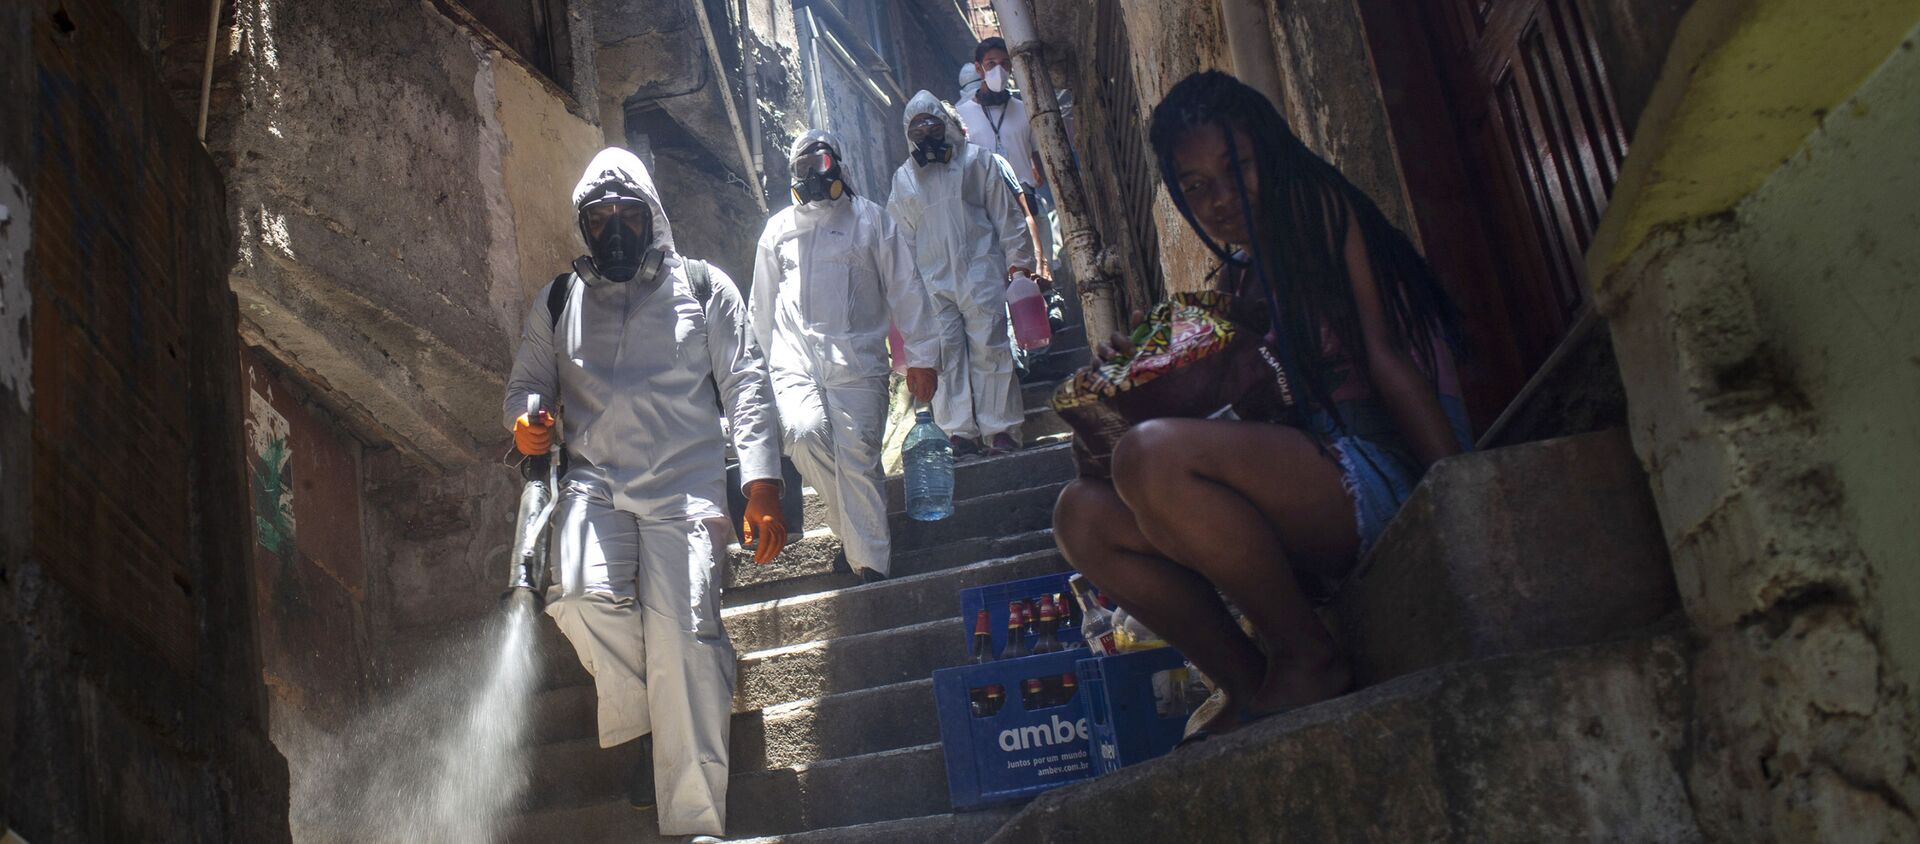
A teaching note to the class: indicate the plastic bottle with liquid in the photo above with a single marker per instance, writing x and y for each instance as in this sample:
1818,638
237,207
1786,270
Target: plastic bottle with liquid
1131,634
1096,621
1031,332
928,459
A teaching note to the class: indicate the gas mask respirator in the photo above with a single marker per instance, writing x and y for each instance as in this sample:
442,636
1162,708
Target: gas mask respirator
817,176
928,135
623,248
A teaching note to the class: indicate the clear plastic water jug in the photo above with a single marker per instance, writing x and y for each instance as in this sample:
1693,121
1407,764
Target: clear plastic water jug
929,470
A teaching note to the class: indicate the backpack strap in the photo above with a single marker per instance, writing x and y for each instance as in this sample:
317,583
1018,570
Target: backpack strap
557,295
700,278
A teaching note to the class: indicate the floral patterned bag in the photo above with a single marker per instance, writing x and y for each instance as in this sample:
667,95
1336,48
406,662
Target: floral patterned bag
1190,361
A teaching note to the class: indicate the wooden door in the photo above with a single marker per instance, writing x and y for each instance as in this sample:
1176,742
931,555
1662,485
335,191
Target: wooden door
1542,144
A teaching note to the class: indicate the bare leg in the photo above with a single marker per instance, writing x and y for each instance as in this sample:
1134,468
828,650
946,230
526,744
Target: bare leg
1096,533
1236,522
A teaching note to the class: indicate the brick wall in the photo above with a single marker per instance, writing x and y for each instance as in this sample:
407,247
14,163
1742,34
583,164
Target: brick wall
135,702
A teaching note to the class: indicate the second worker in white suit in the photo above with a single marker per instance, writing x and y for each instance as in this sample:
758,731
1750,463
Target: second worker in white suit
830,270
959,207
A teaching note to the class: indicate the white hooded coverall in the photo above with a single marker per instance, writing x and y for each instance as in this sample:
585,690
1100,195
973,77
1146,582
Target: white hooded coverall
966,227
826,278
641,528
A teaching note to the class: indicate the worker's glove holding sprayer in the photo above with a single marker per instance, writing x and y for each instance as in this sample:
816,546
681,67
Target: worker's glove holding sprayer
533,433
764,524
920,383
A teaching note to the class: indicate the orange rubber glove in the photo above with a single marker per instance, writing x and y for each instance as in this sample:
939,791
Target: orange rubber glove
764,520
533,436
921,382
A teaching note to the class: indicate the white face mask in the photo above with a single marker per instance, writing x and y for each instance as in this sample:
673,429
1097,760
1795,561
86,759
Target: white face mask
996,78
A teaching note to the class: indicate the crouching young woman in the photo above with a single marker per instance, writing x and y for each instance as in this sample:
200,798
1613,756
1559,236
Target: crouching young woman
1256,508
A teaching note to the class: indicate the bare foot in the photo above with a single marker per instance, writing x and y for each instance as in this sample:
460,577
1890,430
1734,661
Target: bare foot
1289,684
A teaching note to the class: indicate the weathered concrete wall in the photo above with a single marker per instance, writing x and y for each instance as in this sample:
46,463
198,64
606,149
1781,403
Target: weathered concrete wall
542,150
133,707
1171,40
1755,308
664,99
382,177
1332,99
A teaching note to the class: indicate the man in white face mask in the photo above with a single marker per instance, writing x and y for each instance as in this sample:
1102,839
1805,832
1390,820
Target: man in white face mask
995,119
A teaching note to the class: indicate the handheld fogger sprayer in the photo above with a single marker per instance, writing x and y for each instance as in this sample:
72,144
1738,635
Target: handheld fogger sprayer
533,528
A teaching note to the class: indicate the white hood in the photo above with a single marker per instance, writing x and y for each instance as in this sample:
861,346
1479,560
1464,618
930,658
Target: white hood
616,170
924,102
832,140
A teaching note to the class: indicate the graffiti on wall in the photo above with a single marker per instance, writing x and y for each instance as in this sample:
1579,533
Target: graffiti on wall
270,473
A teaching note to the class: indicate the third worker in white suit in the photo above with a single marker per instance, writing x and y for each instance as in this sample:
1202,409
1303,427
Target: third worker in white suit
958,205
829,272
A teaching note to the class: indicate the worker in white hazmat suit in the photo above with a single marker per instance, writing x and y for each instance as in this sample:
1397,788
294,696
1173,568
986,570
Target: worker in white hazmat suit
830,271
641,351
958,205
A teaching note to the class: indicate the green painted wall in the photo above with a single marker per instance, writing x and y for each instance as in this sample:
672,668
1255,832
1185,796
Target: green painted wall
1834,261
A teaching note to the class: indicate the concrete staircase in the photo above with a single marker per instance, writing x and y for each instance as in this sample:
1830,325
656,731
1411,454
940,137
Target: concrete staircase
834,735
1513,631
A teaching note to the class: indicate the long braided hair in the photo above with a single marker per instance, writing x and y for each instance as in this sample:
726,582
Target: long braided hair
1300,235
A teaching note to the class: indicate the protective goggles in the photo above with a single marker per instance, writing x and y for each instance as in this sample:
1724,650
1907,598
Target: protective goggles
819,160
926,127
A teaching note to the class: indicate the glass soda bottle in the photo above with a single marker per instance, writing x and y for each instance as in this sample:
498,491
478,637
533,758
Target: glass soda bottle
982,638
929,470
1016,632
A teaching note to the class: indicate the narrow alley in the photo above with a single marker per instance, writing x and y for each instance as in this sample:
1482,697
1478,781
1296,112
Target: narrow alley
1632,565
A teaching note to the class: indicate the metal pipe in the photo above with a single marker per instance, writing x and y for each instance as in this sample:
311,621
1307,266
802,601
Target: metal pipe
1093,266
206,77
750,68
726,100
1250,43
856,51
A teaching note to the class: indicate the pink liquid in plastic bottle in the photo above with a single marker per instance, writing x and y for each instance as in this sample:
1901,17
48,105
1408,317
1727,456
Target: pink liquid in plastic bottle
1029,311
897,348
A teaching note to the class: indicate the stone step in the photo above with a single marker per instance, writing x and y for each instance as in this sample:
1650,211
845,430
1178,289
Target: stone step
861,661
870,788
569,768
1567,745
1540,545
1057,364
956,828
808,567
897,602
982,525
1029,467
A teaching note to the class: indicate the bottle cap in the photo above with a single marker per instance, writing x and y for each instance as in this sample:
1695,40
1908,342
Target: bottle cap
1033,685
1068,680
1013,613
995,690
980,623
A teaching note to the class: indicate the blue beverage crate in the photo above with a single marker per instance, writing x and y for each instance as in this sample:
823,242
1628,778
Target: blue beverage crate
1121,720
994,598
1015,752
